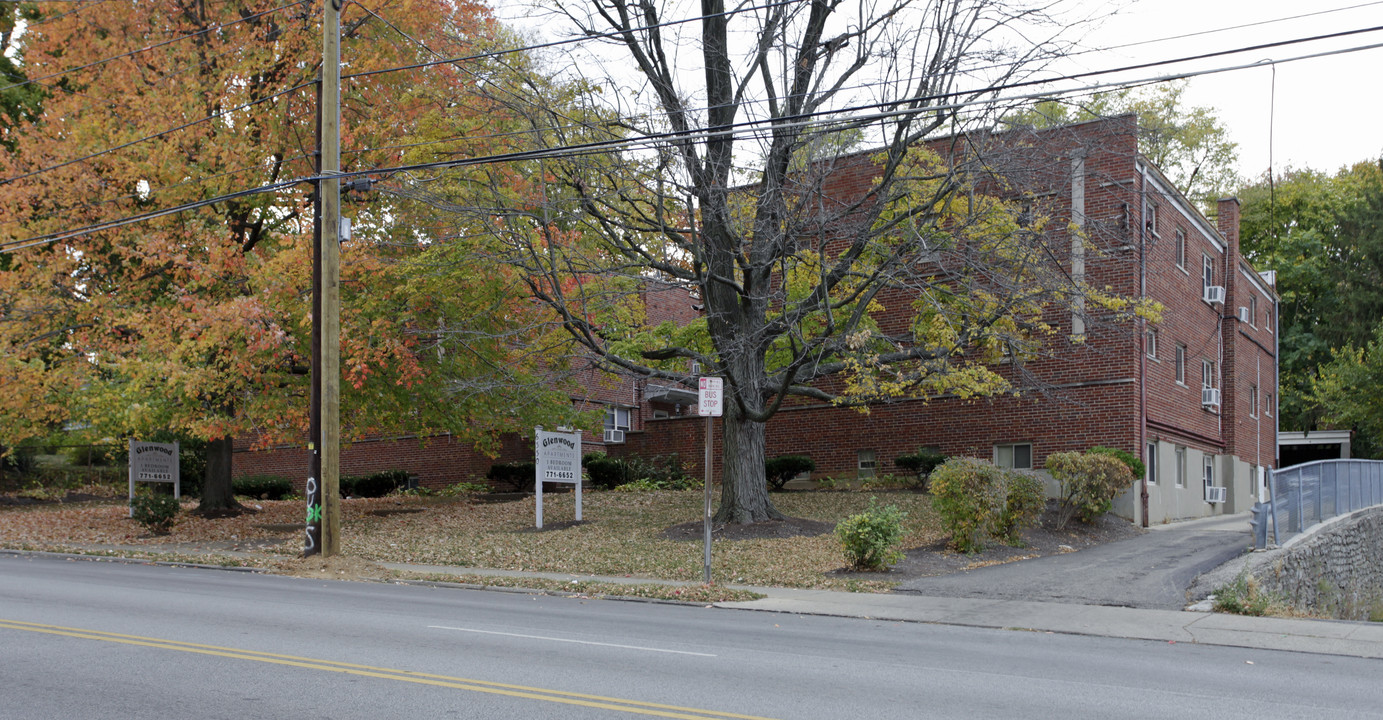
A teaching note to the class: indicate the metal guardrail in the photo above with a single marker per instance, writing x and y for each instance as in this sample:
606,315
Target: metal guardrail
1307,494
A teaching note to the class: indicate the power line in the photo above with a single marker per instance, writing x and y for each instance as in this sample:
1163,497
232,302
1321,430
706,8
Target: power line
568,41
805,119
801,120
132,219
146,48
157,135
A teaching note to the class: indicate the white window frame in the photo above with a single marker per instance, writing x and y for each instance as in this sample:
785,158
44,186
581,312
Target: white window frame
1150,462
1181,249
1208,470
612,419
1181,364
866,464
1207,373
1011,451
1179,458
1253,401
1152,220
1253,311
1151,342
1207,274
1268,404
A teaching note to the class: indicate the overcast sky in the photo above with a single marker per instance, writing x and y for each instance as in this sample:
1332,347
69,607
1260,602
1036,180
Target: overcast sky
1329,111
1325,112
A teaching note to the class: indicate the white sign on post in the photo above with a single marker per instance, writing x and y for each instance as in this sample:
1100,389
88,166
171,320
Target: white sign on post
154,462
710,396
558,459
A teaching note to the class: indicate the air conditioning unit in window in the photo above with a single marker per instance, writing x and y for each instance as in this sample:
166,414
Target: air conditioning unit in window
1243,315
1210,397
1215,294
614,436
1215,494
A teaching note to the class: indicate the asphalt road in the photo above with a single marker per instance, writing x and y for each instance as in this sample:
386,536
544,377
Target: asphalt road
1151,571
83,639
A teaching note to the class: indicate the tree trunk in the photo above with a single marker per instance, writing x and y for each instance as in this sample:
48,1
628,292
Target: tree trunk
217,496
743,489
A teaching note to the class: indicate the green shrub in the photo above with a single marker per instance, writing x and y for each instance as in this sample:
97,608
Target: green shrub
22,459
372,486
463,488
977,500
1135,465
520,475
968,494
1024,501
1087,484
89,455
262,487
1243,596
156,512
783,468
870,539
606,473
920,464
660,472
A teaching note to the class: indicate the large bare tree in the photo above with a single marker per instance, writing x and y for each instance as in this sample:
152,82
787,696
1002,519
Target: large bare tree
826,275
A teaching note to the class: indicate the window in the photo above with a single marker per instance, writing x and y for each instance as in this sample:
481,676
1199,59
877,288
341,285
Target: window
1209,471
1152,343
661,415
1253,310
1181,248
1152,218
1181,363
866,465
616,424
1017,456
1152,463
1180,460
1207,274
1207,373
1253,401
1268,404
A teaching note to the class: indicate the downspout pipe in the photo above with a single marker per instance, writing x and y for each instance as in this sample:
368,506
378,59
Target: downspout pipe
1143,351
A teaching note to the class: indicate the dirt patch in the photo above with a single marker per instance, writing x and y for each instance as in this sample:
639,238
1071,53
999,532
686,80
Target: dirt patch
550,526
791,527
936,559
337,567
386,512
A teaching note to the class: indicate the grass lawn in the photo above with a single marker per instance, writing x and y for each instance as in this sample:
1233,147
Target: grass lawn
621,534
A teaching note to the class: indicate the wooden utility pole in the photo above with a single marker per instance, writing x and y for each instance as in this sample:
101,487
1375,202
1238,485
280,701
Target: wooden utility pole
329,188
312,543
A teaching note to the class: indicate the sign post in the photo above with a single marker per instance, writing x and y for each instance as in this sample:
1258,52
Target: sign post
558,459
154,462
710,403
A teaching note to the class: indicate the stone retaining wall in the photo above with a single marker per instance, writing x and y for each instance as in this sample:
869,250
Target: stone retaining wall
1335,571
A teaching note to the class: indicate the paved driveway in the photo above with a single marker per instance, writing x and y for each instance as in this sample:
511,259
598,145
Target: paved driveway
1152,570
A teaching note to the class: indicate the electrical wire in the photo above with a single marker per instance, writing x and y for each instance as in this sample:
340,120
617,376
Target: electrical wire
800,120
159,134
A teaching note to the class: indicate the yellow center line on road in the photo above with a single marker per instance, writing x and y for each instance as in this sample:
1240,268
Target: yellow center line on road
484,686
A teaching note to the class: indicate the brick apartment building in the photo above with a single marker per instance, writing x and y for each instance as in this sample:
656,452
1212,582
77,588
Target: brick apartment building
1194,394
